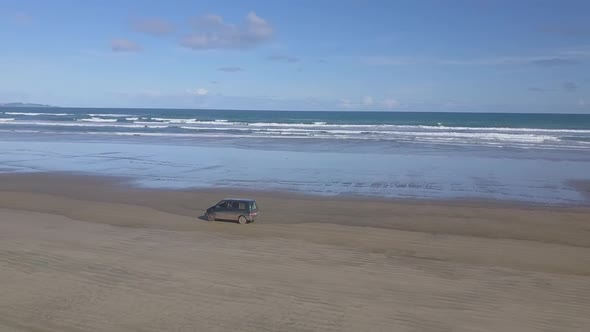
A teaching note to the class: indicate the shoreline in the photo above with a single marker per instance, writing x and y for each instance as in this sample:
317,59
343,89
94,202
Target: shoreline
582,186
51,192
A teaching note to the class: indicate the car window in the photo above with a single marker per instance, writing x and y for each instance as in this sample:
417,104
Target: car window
242,206
253,206
230,205
221,205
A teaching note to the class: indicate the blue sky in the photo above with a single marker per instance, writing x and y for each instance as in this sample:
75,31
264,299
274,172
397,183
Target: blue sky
471,55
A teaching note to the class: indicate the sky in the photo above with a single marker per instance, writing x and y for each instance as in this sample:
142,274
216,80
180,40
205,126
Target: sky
414,55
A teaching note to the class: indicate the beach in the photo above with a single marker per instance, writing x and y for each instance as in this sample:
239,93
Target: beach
86,253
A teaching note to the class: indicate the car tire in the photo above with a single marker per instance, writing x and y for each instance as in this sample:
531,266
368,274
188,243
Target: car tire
242,220
211,217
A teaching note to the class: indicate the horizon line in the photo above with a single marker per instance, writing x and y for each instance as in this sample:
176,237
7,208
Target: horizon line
45,106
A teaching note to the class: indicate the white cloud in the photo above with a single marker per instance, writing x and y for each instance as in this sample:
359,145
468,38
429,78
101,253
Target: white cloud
153,26
212,32
368,103
346,103
21,18
570,86
198,92
550,60
124,45
390,103
390,60
230,69
151,93
283,58
144,93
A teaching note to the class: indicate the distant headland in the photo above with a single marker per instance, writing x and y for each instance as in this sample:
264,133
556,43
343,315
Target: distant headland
24,105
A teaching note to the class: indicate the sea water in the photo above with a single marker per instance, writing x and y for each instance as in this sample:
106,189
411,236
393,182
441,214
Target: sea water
524,157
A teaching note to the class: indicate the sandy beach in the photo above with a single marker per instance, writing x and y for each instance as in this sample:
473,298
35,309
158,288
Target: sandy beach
81,253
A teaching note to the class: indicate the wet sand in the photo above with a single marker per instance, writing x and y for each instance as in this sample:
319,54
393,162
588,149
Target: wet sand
81,253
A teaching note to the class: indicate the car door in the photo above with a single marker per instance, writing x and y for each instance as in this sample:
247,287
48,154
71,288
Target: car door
221,210
231,210
242,209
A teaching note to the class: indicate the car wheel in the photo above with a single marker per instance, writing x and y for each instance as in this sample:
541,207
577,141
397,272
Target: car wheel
242,220
210,216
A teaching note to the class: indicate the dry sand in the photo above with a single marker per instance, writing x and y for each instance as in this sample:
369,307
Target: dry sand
93,254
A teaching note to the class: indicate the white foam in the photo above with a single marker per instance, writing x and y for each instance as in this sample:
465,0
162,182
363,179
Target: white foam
506,129
95,119
483,136
415,127
175,120
360,127
214,128
86,124
204,135
36,114
495,136
112,115
389,134
19,131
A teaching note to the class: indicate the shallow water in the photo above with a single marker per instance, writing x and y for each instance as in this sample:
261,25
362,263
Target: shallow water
325,168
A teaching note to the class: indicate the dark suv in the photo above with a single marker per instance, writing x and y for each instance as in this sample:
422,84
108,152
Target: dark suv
238,209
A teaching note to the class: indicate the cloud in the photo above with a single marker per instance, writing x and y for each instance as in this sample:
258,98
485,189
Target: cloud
21,18
198,92
230,69
151,93
391,60
582,102
368,101
124,45
163,94
346,103
535,89
565,59
390,103
551,62
570,86
283,58
143,94
567,29
153,26
212,32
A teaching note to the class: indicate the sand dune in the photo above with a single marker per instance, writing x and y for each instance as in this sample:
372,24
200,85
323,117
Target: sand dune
90,254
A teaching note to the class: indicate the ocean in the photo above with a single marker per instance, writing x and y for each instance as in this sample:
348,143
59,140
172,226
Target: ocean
533,158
